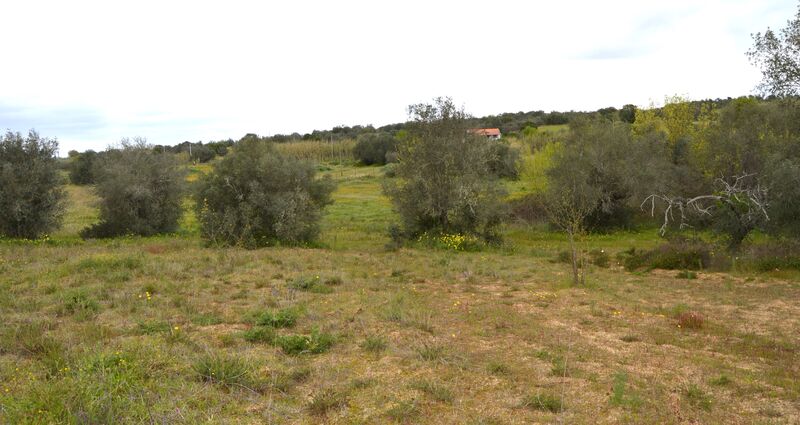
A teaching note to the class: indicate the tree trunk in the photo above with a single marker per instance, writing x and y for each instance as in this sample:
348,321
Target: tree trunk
574,257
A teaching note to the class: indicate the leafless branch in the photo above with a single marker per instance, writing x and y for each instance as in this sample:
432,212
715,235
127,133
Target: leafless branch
736,193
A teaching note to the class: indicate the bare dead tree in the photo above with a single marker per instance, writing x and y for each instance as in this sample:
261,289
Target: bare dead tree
747,200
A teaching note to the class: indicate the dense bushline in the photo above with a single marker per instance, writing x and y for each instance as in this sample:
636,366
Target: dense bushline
257,196
81,167
31,195
678,153
375,148
140,191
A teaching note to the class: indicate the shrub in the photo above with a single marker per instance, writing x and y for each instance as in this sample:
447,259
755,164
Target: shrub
31,197
530,209
257,197
504,161
686,254
783,255
599,257
444,184
81,168
140,191
375,148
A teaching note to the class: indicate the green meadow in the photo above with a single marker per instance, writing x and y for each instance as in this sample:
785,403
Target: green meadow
166,330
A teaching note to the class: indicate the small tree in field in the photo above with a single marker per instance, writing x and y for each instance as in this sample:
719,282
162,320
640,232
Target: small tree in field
31,197
445,183
568,206
140,191
256,196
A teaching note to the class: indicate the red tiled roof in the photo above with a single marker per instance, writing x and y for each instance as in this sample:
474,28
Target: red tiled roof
485,131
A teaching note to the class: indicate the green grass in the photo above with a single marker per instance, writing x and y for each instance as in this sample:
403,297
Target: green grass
164,330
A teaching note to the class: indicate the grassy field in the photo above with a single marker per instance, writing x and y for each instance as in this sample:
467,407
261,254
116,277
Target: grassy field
164,330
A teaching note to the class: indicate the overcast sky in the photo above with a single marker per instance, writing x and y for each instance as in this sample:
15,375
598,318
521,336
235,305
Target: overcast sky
92,72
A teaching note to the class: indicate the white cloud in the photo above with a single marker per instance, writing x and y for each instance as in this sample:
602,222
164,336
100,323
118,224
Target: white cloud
180,70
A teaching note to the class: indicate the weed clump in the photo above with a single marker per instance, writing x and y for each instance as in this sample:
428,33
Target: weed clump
283,318
310,284
326,400
374,344
81,305
497,368
316,343
543,402
431,352
437,392
228,371
404,411
697,397
259,334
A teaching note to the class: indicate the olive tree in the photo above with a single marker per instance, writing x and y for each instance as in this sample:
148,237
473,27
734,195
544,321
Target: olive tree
81,167
140,191
31,194
256,196
444,183
778,56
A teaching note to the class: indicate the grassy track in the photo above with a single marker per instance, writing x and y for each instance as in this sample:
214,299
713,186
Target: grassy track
164,330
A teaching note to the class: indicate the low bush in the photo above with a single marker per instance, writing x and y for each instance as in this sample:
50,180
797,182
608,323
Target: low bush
677,254
781,255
